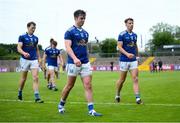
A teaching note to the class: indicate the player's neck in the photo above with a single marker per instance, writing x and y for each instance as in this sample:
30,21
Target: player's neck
129,31
77,26
30,34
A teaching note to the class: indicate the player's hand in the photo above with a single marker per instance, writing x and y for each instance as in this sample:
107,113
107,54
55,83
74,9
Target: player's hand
130,55
40,61
26,55
138,59
43,68
62,65
77,62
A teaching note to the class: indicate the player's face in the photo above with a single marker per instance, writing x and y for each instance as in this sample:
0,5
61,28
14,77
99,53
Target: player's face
31,29
129,25
80,20
53,46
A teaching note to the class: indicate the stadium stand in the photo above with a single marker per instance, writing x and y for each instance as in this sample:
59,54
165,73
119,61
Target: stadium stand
169,59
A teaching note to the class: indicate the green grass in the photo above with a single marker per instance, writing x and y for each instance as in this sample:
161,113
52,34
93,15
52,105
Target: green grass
159,88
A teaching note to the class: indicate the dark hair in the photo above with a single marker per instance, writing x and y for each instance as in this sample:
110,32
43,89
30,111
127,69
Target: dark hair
126,20
51,40
29,24
79,12
54,43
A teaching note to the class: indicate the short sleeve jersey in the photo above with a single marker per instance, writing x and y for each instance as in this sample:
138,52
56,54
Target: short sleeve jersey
79,39
29,45
52,55
129,45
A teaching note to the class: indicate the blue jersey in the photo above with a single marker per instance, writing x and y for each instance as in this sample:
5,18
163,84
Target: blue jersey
29,45
129,45
79,39
47,49
52,54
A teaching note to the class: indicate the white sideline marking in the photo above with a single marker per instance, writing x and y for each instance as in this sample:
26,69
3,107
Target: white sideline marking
98,103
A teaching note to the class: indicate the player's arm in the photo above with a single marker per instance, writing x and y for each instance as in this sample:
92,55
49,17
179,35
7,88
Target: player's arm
38,55
70,52
121,49
137,54
137,51
44,61
20,50
61,60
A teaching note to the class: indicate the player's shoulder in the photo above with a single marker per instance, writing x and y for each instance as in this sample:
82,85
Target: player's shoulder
47,48
72,28
70,31
123,33
134,33
57,49
35,36
84,30
23,35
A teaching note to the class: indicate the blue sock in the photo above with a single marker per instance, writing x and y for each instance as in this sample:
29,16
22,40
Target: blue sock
90,106
36,94
62,102
137,95
20,93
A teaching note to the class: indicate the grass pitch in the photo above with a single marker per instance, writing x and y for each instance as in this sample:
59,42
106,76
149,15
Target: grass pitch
159,91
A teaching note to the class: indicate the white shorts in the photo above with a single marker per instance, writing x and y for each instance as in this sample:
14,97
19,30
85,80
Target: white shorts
55,68
84,70
125,66
28,64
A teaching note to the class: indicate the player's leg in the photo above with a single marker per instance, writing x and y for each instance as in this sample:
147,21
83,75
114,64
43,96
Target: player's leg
24,64
21,83
89,96
88,88
35,71
134,76
36,85
119,84
49,84
45,77
121,80
72,73
65,92
56,71
45,71
52,78
86,77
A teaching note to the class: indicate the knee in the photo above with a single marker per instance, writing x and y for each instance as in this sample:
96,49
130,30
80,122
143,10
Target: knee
69,86
51,76
23,79
88,86
121,81
35,78
135,79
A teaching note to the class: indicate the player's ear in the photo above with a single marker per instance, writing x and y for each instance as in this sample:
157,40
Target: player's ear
75,18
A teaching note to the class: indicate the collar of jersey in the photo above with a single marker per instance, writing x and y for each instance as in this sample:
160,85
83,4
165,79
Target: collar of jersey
80,29
129,33
29,35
